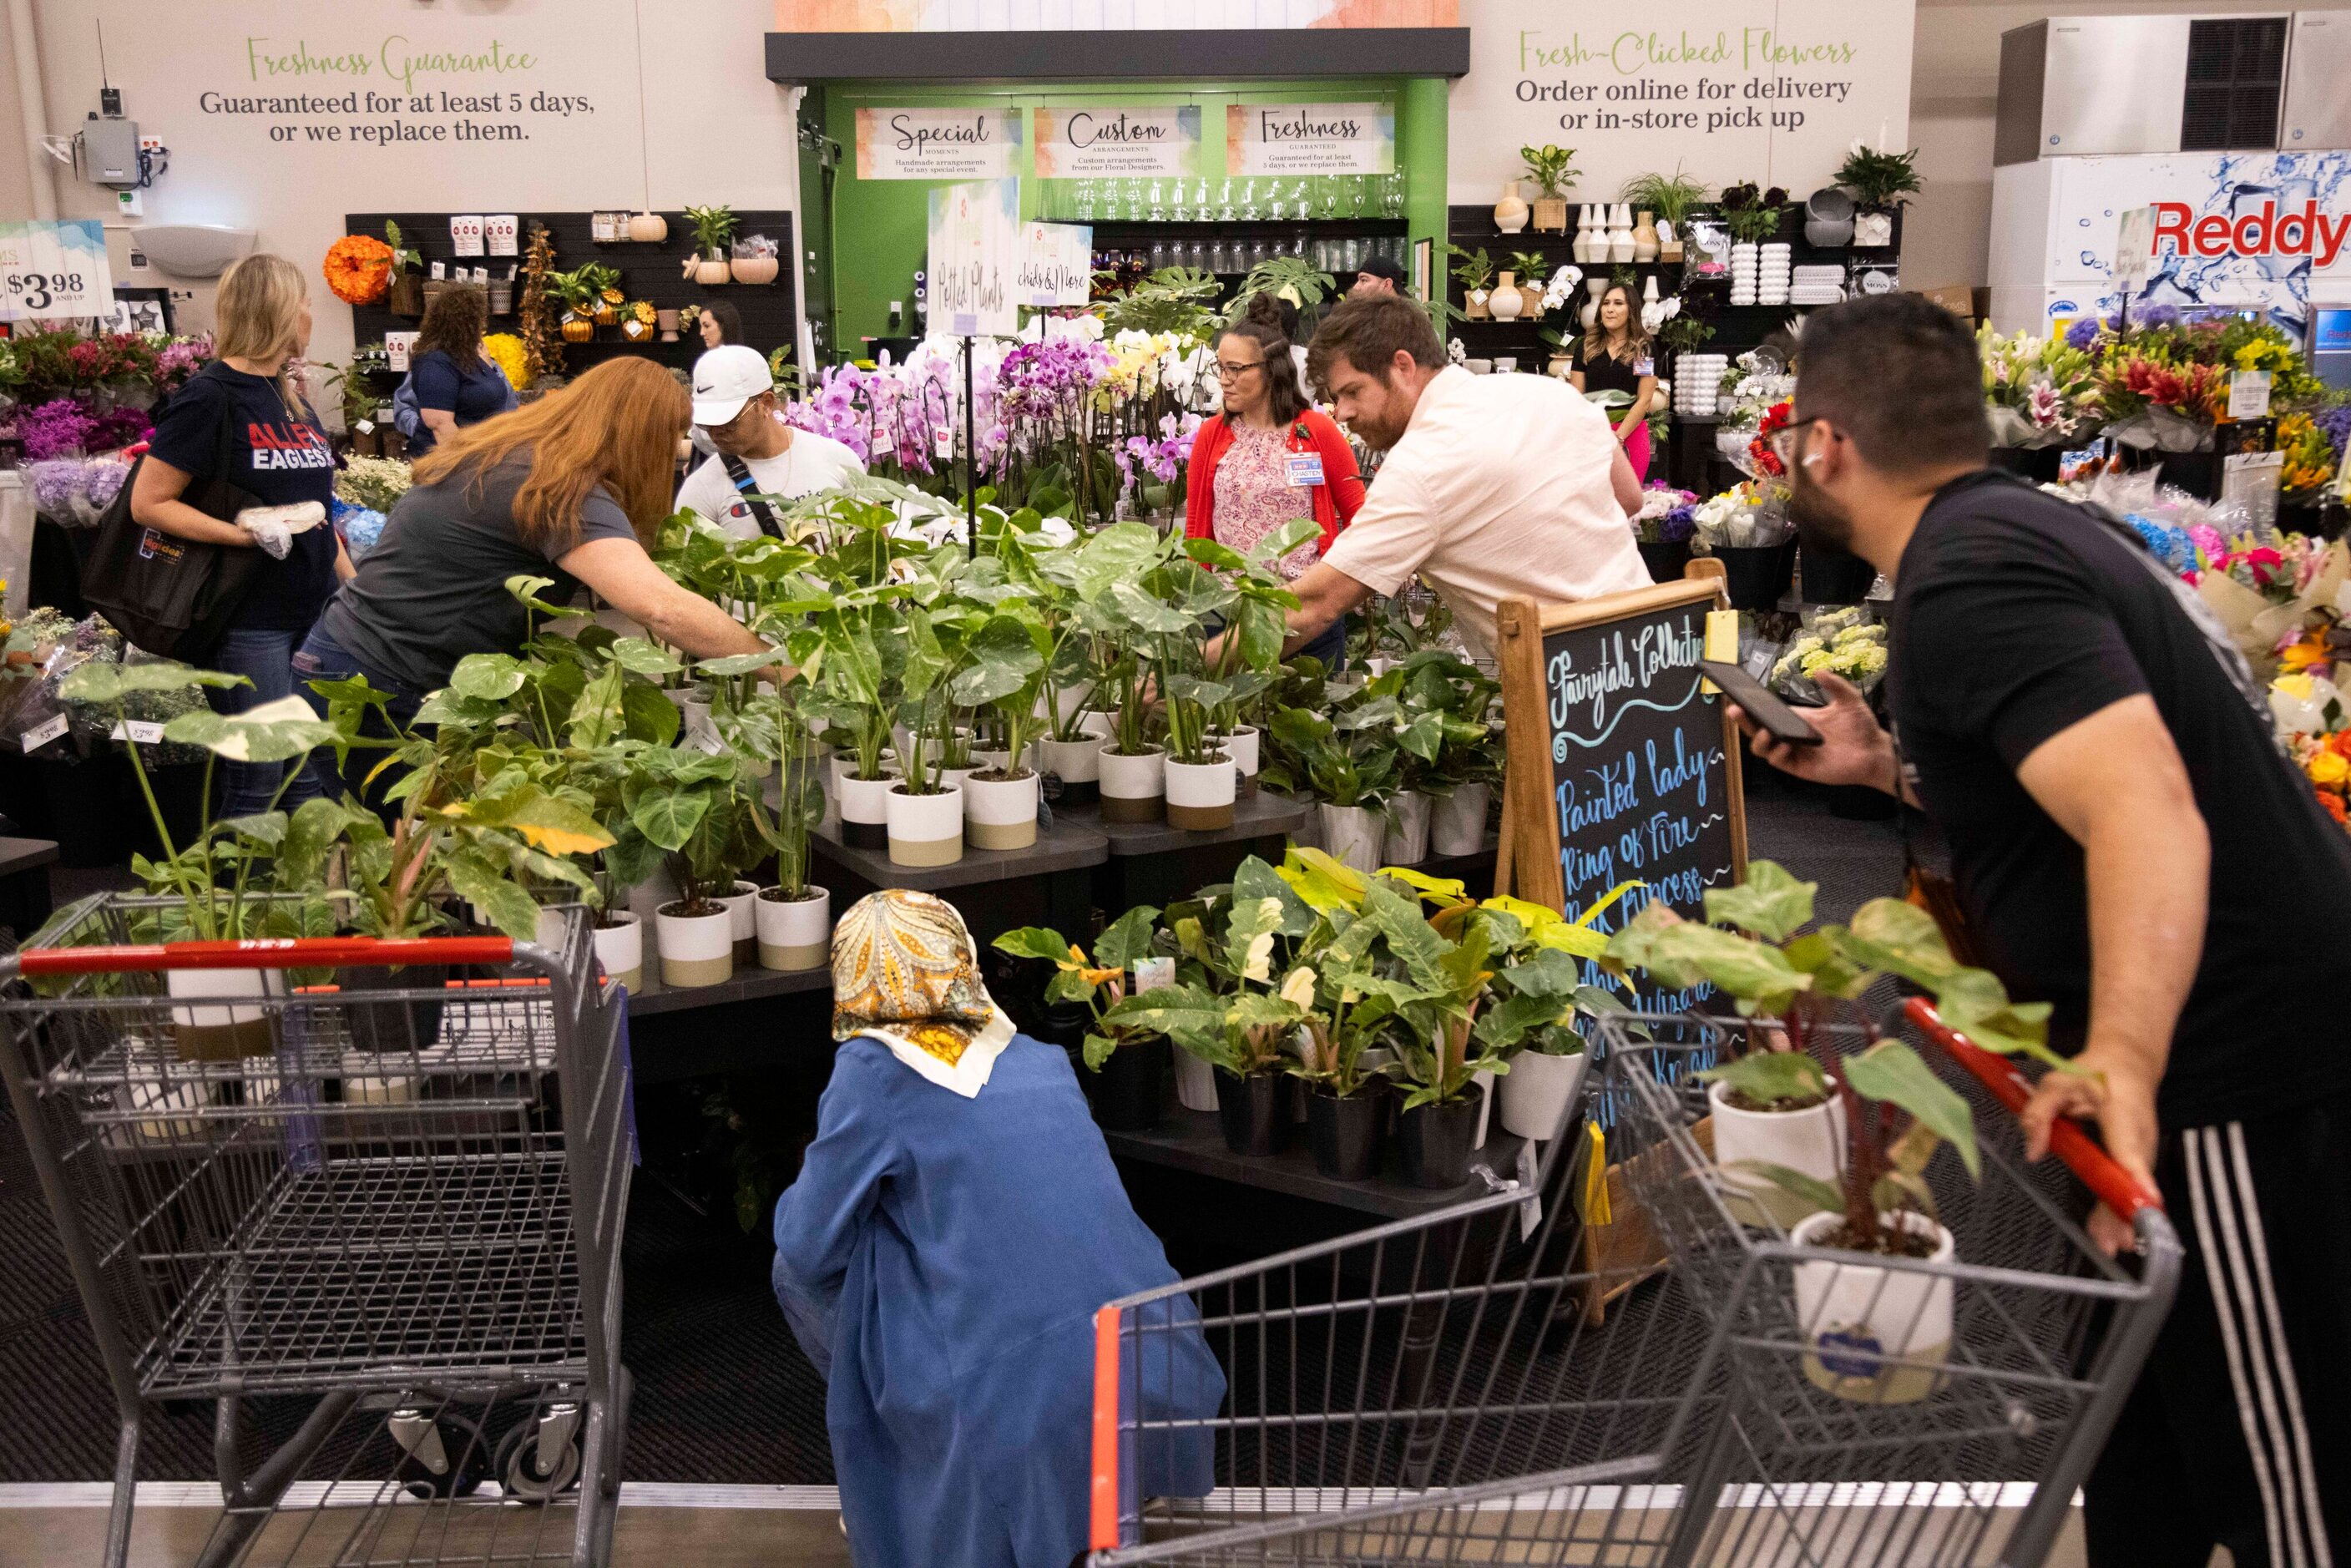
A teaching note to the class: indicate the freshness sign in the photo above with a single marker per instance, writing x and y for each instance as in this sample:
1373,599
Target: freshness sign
53,269
1310,139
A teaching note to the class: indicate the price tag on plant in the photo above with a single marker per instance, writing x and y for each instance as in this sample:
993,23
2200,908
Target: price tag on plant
53,269
146,732
48,730
1151,974
2249,395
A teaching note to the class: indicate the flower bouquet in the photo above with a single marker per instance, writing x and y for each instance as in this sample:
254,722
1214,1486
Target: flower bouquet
1663,528
74,492
1843,642
2038,391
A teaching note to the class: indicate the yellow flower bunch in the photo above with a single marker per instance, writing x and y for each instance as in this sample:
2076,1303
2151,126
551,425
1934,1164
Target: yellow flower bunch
505,351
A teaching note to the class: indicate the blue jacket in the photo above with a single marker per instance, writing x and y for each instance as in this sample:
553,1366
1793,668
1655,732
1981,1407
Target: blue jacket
946,1256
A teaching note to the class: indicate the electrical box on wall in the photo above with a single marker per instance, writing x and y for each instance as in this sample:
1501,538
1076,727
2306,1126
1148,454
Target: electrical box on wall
106,151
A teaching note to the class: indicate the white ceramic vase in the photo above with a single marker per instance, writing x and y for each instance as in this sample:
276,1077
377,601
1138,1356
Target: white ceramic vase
696,949
1860,1320
221,1033
797,935
925,830
1810,1142
1511,212
743,924
1196,1083
1505,302
1241,745
864,809
1000,813
1538,1091
621,948
1200,794
1078,765
1133,788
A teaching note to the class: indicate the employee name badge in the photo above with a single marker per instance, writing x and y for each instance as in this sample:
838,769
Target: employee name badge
1306,469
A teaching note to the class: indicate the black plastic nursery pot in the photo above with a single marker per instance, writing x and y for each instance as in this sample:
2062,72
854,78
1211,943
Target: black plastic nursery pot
1345,1131
392,1027
1437,1141
1253,1111
1757,575
1129,1092
1835,577
1665,562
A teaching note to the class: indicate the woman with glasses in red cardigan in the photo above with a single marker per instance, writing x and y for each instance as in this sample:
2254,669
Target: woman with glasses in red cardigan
1268,459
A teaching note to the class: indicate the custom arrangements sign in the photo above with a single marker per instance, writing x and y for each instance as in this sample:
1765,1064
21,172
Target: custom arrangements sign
1310,139
975,257
1089,141
938,143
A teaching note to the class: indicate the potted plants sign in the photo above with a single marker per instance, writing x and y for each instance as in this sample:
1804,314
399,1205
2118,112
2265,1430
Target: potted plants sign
714,227
1874,1333
1878,180
1130,1063
1552,169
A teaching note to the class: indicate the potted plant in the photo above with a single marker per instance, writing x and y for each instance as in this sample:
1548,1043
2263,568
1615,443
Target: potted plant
578,300
1010,656
791,920
637,320
713,228
1129,1061
1457,773
1476,276
1878,180
405,294
1552,169
1753,216
1528,267
1439,1122
1351,772
695,809
1672,197
923,812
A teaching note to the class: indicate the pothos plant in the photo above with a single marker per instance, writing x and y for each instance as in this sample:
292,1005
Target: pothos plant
1100,981
1763,957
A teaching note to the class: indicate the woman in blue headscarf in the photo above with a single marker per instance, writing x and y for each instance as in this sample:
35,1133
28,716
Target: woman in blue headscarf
956,1224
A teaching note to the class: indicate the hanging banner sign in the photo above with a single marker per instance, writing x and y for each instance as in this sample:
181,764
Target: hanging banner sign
938,143
1310,139
53,269
975,258
2134,247
1056,264
1090,141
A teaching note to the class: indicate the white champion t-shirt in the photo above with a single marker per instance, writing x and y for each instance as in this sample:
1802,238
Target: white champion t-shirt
810,464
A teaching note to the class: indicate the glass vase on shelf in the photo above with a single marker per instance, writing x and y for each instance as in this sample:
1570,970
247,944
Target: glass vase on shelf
1392,195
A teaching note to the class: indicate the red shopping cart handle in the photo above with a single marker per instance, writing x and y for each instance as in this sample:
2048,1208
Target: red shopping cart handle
267,953
2068,1139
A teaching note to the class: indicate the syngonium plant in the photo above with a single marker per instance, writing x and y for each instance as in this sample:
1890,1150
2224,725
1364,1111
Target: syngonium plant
1100,981
1770,965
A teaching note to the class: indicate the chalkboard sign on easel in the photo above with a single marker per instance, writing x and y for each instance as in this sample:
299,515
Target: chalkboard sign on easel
1621,766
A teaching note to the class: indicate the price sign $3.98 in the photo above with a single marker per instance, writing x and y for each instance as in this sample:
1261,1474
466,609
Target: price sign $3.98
35,291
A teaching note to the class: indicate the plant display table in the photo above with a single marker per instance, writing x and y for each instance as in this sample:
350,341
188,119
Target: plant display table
1048,883
1189,1141
1151,862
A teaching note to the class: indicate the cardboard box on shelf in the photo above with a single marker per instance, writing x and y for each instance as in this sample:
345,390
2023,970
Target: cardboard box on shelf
1957,298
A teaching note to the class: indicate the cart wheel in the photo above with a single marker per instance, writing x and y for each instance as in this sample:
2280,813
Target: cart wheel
442,1455
518,1464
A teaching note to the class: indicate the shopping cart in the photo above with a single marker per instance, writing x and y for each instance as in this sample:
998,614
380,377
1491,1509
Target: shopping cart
1627,1377
338,1172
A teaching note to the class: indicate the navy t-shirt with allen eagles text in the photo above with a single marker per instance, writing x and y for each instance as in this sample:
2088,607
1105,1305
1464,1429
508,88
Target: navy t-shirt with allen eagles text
280,457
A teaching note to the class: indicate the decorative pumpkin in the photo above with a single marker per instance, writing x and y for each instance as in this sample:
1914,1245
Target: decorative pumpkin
578,329
358,268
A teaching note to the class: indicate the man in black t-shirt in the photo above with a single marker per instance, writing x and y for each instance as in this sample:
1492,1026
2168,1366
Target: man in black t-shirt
2132,846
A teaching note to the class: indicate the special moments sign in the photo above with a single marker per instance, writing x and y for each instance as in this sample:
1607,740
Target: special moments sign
938,143
975,255
1091,141
1310,139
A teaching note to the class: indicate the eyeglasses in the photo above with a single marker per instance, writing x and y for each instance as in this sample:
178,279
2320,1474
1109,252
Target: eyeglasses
1228,371
1788,437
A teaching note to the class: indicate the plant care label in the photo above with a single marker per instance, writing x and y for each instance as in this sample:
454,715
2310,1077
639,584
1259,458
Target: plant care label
395,350
2249,395
45,731
1310,139
146,732
53,269
1152,974
501,233
466,233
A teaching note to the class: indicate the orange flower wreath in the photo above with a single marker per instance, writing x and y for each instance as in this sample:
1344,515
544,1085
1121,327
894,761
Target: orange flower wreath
358,268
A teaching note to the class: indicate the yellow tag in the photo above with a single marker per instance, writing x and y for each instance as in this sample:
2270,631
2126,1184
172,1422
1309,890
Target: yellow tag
1721,640
1595,1179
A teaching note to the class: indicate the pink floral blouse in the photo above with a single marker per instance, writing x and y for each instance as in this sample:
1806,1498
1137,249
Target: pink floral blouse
1254,497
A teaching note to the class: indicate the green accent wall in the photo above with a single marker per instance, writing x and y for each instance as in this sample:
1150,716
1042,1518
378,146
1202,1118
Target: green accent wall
880,228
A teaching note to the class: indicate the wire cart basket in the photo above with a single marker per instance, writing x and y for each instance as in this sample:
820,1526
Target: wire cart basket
1630,1362
369,1207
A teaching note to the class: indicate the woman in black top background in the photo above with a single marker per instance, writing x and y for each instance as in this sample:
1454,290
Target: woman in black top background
1614,356
244,406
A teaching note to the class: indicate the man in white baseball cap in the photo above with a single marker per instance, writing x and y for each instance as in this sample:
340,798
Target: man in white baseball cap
760,456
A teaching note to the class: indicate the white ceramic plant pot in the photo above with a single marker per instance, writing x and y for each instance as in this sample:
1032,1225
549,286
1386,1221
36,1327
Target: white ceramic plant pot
755,270
1200,794
1505,302
1093,721
925,830
1351,835
1000,813
1241,745
1810,1142
1456,824
221,1033
648,228
712,270
1066,700
1133,788
1196,1083
1860,1320
696,949
1078,765
986,757
653,893
794,935
954,778
549,931
1537,1092
1873,228
1405,842
865,809
621,948
742,924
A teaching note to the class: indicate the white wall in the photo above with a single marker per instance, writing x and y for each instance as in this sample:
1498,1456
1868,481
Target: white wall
572,130
1954,94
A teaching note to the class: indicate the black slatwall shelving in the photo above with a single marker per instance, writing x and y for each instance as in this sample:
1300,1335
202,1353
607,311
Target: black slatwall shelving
1688,460
653,272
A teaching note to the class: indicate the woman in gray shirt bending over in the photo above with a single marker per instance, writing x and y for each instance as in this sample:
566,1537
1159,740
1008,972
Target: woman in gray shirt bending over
567,487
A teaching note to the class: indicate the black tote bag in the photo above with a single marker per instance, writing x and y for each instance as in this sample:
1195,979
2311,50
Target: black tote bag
170,596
